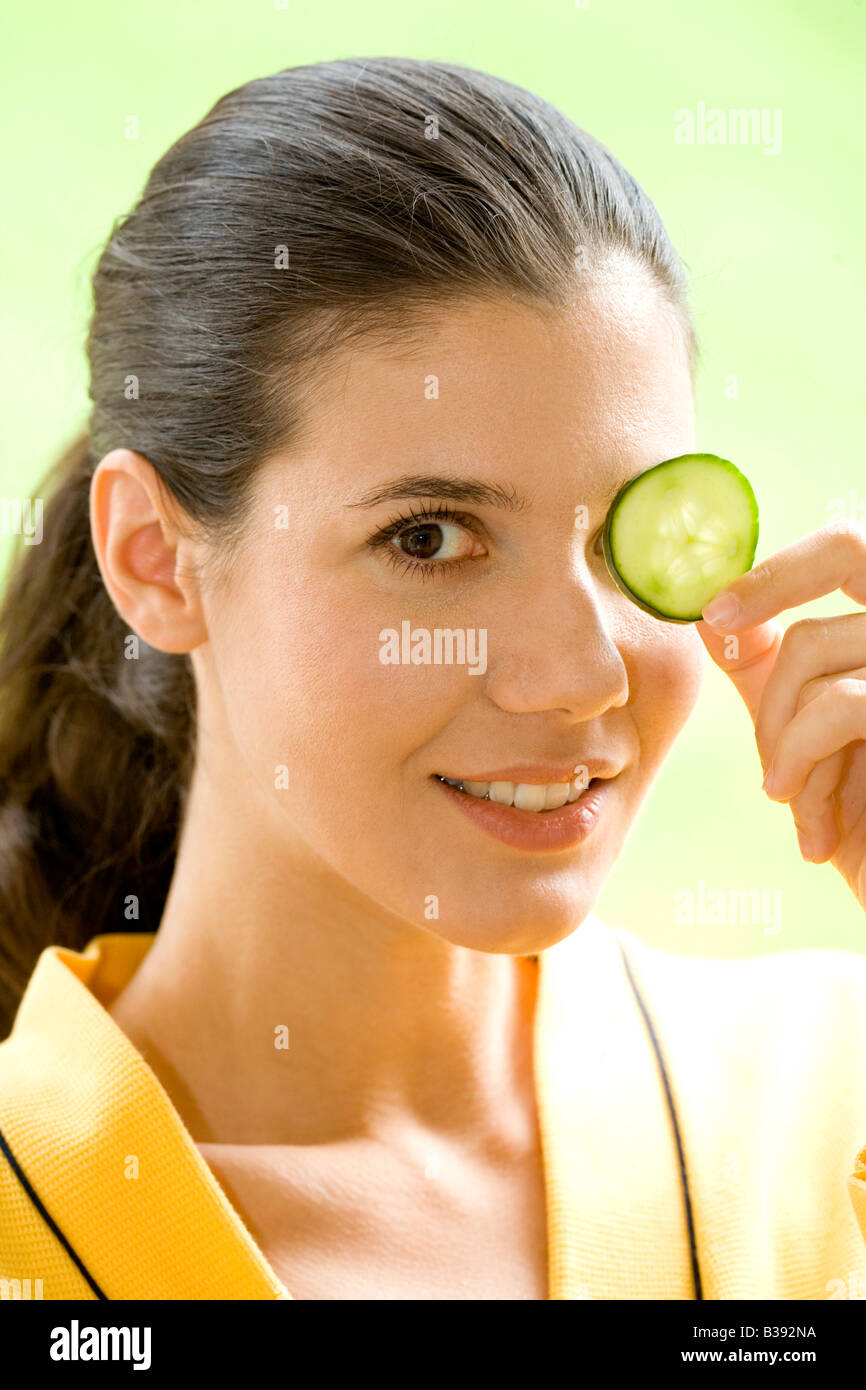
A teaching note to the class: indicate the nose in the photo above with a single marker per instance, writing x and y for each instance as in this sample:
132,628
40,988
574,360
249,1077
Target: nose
554,652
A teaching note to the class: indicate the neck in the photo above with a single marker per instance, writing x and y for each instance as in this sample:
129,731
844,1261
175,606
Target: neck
262,945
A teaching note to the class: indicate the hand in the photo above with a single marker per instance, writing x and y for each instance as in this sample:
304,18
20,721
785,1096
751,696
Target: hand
805,689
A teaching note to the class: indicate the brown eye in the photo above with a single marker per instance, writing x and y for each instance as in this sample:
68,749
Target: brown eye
429,540
421,542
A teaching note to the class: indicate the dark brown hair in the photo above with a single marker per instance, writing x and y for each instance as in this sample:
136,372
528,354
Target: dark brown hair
305,208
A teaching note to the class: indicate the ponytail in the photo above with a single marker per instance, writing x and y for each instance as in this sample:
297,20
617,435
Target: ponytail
95,747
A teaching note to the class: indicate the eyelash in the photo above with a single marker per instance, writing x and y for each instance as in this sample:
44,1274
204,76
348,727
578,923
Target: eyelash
404,564
407,563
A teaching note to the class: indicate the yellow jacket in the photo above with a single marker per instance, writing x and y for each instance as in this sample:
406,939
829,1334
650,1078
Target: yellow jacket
700,1124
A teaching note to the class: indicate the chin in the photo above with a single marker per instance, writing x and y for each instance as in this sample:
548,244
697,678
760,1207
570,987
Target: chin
518,925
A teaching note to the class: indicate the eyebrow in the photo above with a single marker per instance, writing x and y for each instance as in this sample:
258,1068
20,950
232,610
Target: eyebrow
454,489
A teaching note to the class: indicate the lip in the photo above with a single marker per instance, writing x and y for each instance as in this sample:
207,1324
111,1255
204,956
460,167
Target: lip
539,772
534,831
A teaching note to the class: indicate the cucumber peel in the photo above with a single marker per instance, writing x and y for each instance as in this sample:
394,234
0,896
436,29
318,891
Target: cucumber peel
679,532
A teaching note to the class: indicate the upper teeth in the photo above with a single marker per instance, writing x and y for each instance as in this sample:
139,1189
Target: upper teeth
526,796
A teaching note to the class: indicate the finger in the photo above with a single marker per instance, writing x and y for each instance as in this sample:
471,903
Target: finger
828,723
814,810
747,657
833,557
811,649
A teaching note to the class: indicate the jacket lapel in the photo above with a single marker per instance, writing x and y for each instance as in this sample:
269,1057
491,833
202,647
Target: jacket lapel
617,1225
103,1148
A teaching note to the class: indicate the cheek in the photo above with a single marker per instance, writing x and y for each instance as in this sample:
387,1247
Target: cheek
304,688
666,672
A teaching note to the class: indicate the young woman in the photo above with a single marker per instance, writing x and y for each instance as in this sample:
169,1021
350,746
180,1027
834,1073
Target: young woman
315,1002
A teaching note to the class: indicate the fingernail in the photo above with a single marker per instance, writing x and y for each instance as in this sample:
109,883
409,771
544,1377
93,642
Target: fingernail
722,610
805,846
770,781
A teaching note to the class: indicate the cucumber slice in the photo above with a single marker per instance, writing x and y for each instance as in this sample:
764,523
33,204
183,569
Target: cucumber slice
679,532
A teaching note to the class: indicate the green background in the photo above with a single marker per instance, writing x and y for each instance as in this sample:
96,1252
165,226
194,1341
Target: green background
773,244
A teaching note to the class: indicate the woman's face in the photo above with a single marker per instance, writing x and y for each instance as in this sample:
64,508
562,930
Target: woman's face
321,727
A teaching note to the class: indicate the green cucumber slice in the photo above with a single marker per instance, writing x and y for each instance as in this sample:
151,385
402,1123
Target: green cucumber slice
679,532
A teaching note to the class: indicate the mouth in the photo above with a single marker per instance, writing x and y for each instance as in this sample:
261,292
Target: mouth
535,797
537,816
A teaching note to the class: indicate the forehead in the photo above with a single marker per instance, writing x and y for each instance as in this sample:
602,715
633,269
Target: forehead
599,380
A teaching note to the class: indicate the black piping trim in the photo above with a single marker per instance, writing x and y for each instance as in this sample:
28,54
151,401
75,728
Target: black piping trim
693,1249
48,1218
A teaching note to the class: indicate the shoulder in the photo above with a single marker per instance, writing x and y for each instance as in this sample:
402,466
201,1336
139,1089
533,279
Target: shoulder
773,1045
35,1259
766,1058
807,987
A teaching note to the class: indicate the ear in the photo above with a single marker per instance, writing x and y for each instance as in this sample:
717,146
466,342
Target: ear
145,560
